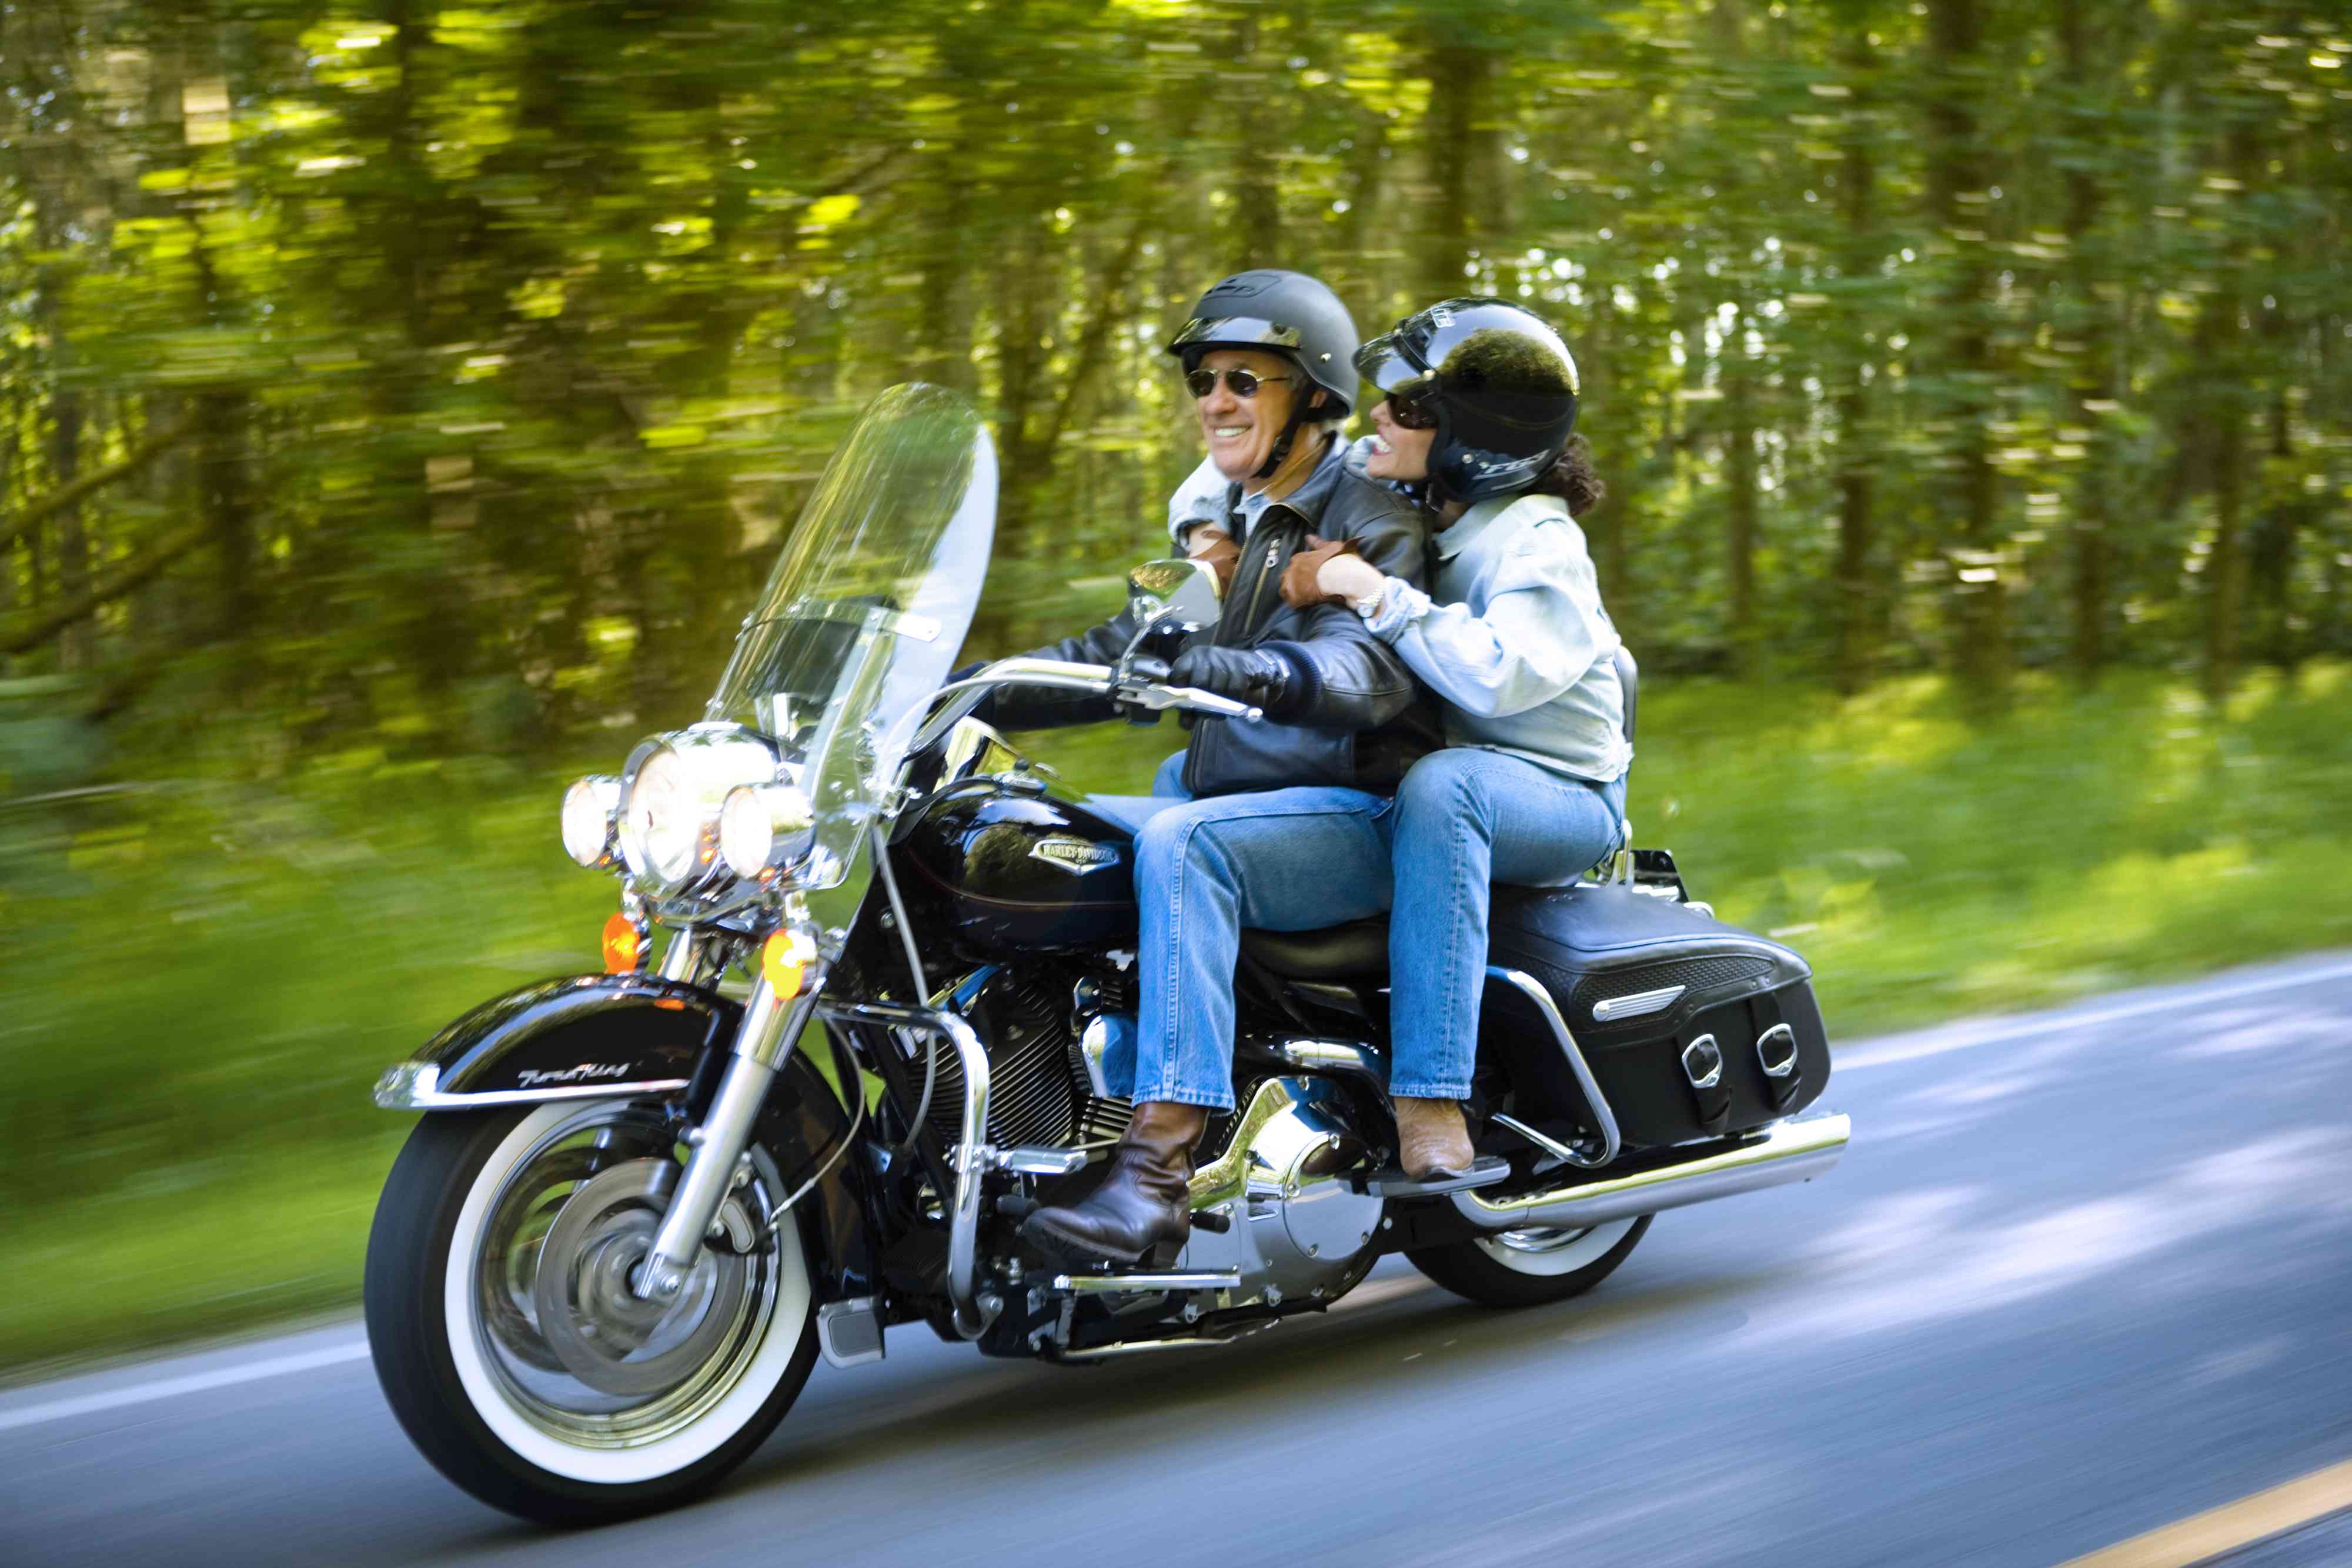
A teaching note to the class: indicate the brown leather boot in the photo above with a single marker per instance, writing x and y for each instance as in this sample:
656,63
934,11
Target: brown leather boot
1144,1198
1433,1141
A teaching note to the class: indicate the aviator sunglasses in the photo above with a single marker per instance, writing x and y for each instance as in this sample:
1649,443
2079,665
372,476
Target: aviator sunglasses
1204,382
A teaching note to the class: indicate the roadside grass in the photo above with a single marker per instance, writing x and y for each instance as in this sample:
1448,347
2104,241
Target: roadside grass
206,989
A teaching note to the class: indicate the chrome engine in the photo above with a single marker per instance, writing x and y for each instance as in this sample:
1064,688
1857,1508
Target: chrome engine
1040,1088
1296,1232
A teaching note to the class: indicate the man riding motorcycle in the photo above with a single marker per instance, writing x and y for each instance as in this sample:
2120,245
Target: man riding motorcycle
1269,358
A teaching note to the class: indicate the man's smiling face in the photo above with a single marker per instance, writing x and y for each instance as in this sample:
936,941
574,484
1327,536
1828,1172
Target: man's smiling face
1240,430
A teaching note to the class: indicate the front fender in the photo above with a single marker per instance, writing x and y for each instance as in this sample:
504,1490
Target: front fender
580,1037
590,1037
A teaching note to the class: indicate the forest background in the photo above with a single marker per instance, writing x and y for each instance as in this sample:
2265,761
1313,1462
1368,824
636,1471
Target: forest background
399,406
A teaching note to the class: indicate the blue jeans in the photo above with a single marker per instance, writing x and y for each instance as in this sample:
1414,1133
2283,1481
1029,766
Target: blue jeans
1278,860
1466,819
1302,859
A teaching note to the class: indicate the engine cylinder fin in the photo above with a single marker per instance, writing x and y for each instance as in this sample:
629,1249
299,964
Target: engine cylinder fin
1031,1098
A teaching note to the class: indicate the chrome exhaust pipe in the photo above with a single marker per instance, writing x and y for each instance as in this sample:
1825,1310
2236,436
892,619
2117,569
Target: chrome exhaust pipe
1785,1152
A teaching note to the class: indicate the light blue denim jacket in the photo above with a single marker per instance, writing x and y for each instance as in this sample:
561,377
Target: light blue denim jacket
1513,638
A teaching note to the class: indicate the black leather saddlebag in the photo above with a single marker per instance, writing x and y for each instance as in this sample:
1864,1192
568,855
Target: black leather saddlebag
1692,1029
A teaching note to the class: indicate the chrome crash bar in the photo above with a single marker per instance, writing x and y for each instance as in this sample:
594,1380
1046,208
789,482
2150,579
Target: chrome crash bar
1604,1121
1784,1152
970,1156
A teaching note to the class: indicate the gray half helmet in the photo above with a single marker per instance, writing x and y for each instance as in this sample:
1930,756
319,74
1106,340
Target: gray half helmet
1287,313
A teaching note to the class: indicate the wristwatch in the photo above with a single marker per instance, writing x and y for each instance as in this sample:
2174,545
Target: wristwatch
1369,609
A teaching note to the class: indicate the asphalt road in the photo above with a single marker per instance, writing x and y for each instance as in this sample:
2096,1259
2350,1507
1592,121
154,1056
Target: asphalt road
2082,1273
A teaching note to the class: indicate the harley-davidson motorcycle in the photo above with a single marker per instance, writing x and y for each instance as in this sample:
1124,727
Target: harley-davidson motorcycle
642,1202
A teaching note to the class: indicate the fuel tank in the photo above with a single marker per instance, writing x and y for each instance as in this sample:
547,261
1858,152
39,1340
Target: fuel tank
1012,873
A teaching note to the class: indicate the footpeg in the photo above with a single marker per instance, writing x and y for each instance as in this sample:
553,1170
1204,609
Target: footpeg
850,1333
1391,1181
1029,1161
1148,1279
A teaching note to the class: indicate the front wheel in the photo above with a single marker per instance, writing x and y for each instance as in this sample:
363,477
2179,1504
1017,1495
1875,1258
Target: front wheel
1529,1268
508,1341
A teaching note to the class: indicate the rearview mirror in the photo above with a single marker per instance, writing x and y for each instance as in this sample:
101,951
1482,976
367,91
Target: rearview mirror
1179,590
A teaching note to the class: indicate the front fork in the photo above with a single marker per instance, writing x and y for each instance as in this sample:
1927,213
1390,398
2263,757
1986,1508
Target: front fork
770,1024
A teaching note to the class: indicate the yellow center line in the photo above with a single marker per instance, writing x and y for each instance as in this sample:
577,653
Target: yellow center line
2231,1525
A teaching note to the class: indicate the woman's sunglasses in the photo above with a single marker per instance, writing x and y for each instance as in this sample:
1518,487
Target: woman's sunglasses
1409,415
1204,382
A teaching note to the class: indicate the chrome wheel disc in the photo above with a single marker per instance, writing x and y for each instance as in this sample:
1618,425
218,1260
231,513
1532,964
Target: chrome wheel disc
571,1349
1552,1250
1541,1240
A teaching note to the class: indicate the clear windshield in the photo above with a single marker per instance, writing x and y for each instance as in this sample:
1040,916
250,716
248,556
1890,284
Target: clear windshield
869,604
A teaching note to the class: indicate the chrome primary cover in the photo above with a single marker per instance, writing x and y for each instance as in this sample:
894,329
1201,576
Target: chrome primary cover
1298,1232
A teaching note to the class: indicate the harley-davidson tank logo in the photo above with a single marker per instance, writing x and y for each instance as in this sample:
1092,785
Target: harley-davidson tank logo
586,1072
1076,856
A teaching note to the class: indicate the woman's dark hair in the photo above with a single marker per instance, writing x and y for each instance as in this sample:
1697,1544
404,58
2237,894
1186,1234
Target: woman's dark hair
1571,479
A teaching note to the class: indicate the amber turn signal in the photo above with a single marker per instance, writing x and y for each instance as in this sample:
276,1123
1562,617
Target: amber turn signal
784,960
624,944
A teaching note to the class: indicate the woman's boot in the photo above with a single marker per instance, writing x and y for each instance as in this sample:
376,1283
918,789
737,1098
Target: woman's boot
1144,1199
1433,1141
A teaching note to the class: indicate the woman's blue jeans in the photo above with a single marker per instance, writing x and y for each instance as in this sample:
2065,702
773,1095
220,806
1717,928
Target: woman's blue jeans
1465,820
1298,859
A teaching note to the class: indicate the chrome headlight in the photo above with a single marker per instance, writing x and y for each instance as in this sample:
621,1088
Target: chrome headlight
669,816
765,827
592,819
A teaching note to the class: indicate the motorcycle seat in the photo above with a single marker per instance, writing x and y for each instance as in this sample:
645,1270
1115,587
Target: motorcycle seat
1345,952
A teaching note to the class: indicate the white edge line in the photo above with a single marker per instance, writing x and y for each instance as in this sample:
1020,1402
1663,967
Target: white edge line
172,1387
1886,1055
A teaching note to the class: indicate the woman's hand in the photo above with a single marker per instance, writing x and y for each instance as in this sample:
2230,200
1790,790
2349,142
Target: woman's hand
1307,583
1350,578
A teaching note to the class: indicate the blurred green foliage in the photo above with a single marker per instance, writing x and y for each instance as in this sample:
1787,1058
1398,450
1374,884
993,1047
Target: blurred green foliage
365,368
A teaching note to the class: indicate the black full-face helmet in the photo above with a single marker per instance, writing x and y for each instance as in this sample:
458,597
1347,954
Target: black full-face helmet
1286,313
1497,380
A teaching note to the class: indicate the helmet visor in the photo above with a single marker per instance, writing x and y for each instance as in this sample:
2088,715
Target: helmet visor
1202,333
1389,362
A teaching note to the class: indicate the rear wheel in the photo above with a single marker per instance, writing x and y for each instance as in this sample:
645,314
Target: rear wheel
509,1345
1529,1268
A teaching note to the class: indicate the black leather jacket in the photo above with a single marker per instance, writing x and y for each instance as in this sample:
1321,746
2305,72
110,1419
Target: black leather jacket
1361,720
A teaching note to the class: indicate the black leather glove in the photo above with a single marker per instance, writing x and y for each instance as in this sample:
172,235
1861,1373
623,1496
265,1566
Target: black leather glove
1252,675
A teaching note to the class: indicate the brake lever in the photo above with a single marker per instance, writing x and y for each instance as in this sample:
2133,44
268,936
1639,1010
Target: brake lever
1192,699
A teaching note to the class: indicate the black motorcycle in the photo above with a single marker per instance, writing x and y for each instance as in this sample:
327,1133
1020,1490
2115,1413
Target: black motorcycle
644,1201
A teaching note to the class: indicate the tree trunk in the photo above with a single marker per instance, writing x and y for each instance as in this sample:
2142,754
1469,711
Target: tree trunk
1460,77
1604,412
2093,372
2225,362
1740,500
1859,604
1957,168
1257,178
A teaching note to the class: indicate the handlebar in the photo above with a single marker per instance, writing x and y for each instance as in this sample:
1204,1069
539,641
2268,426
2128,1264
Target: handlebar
1141,684
1135,688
